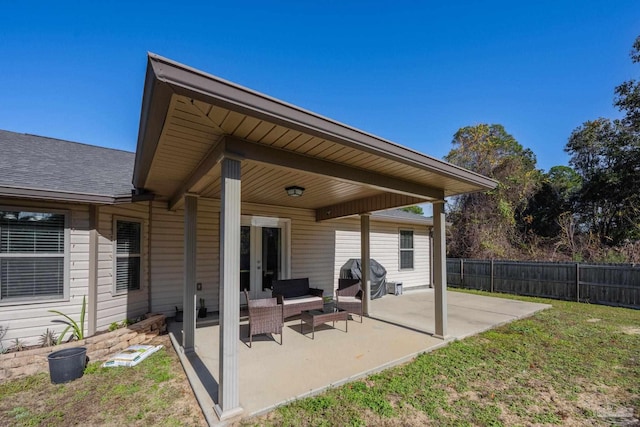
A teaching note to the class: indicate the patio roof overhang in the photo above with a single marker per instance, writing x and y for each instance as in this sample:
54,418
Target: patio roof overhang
190,120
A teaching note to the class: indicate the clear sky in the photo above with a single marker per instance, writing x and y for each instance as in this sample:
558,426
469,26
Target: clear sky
408,71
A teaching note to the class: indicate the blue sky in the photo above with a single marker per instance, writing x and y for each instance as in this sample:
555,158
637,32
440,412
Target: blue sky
412,72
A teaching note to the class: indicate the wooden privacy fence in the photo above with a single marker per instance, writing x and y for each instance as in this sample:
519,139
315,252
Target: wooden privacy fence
606,284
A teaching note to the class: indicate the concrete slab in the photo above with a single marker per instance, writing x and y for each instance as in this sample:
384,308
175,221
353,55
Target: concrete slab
468,314
271,374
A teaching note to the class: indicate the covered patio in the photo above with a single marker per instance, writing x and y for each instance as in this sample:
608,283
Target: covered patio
221,156
271,374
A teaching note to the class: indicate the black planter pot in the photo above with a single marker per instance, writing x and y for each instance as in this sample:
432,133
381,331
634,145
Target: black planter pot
179,314
202,312
67,365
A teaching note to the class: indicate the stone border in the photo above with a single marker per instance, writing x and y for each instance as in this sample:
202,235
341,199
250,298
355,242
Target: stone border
28,362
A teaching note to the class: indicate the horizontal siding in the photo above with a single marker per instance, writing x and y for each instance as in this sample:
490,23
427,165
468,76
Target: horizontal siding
28,321
167,257
318,251
112,307
384,249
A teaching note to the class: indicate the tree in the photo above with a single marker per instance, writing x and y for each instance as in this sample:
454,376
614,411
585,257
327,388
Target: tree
486,224
553,200
627,95
413,209
606,155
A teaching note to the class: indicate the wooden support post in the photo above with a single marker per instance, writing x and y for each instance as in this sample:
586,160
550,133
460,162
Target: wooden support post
492,275
577,281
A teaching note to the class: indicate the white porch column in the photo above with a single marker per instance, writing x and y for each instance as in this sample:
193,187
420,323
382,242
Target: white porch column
189,287
365,257
440,269
228,391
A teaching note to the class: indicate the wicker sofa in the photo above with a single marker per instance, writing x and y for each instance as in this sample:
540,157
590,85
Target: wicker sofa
296,296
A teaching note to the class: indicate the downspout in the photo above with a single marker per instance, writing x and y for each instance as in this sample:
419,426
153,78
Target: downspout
149,246
92,303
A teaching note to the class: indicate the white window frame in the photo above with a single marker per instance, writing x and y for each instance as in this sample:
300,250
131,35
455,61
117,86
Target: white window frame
412,249
140,221
64,256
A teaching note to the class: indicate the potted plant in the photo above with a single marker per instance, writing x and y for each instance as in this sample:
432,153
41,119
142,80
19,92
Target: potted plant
202,311
69,364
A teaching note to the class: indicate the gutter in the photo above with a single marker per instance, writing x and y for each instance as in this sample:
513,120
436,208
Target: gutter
69,196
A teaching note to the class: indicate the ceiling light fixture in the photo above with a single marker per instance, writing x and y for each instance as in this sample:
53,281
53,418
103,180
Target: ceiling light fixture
294,191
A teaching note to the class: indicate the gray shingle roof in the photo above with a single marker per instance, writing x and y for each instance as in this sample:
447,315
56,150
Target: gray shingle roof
53,165
402,216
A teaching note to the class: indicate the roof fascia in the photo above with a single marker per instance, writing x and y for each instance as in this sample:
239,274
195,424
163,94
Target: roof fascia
156,99
195,84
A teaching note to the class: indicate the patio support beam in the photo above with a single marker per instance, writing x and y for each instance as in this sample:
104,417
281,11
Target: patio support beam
288,159
365,257
230,207
210,160
440,270
189,287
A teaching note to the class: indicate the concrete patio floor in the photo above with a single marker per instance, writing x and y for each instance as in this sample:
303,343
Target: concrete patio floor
399,329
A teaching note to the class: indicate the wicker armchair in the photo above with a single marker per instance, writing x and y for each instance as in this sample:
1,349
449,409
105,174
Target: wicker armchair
265,317
349,296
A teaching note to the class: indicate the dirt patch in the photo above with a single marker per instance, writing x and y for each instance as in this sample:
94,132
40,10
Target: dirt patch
630,330
154,392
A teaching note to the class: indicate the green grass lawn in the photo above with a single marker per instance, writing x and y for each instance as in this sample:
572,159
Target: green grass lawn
574,364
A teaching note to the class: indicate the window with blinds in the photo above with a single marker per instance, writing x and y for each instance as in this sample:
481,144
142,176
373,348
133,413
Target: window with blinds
128,245
32,254
406,249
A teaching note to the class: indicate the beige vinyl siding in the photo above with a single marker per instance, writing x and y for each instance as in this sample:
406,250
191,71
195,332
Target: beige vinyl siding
312,243
318,250
312,251
29,320
167,256
117,307
385,248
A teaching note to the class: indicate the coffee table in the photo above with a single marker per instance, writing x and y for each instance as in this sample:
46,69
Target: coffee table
329,313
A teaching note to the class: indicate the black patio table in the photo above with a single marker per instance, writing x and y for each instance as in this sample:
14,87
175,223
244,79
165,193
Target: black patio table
329,313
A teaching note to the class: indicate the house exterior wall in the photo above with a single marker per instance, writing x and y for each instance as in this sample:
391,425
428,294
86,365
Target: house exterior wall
167,256
112,307
318,250
28,320
385,248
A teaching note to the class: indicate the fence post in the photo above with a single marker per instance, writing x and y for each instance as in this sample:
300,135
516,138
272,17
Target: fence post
492,275
577,281
461,273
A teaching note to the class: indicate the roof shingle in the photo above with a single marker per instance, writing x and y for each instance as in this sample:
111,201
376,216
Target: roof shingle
49,164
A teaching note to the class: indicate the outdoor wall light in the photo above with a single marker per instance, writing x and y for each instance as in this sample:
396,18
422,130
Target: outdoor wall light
294,191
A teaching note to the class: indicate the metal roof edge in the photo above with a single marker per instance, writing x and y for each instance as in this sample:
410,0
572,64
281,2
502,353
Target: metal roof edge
59,195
